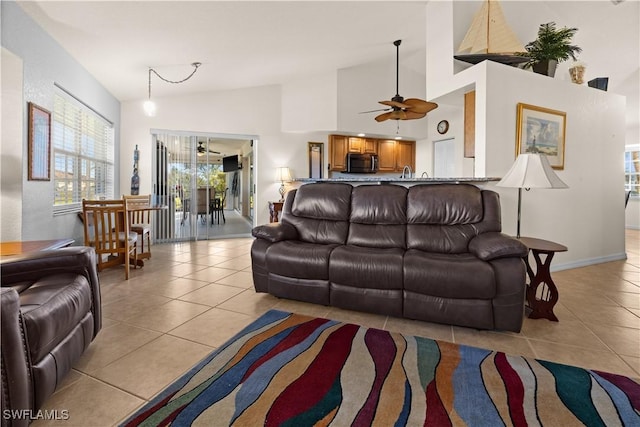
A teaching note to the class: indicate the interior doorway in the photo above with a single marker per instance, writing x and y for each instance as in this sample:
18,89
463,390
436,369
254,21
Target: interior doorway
200,178
444,158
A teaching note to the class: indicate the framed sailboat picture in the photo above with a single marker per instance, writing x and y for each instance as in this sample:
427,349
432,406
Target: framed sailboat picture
541,130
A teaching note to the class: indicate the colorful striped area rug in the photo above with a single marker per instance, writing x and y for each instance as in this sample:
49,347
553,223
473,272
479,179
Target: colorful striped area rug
291,370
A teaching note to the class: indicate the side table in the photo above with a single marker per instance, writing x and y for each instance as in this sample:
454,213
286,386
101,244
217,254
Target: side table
541,302
25,246
274,211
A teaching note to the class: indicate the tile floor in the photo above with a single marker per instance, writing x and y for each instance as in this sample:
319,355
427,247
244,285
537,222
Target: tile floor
191,297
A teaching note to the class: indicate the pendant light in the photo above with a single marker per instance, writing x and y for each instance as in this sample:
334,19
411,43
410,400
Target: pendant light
150,106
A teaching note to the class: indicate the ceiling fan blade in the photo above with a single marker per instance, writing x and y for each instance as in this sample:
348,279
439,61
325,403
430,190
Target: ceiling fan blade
384,116
412,115
420,106
395,104
374,111
214,152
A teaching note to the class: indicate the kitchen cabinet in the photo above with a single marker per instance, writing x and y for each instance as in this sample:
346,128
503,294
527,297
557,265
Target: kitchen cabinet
405,155
338,146
470,124
387,155
392,155
362,145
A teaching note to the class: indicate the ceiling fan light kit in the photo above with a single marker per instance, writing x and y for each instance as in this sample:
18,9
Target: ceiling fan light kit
400,108
201,150
150,106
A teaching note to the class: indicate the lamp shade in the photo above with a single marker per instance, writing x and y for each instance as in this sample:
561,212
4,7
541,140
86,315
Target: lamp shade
531,171
149,108
283,174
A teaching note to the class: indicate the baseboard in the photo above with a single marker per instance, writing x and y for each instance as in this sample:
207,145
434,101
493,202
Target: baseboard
590,261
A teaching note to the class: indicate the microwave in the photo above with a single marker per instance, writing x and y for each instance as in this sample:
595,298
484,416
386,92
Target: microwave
362,163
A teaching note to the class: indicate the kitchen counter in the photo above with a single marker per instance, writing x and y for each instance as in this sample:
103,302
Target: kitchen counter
398,180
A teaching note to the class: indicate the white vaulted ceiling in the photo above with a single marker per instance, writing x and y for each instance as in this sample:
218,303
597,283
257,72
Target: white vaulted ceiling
253,43
240,44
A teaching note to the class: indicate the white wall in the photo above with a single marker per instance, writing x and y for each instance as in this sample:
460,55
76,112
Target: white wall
310,103
46,64
360,89
589,216
252,111
11,148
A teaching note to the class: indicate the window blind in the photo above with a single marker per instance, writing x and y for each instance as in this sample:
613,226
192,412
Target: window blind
83,152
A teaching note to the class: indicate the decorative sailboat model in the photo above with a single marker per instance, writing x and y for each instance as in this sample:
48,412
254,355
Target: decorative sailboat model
490,38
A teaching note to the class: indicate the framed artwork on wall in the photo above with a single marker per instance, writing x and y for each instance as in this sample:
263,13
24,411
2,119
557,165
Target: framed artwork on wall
39,156
541,130
316,155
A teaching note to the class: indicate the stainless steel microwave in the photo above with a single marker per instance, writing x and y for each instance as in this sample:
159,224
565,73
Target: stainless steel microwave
362,163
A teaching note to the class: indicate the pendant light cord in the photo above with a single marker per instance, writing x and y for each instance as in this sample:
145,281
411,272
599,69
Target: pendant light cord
151,70
195,64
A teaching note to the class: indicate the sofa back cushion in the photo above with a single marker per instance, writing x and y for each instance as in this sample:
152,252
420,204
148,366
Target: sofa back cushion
445,217
320,212
378,216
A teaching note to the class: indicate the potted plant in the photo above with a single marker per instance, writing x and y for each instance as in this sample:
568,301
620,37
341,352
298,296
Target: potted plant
551,47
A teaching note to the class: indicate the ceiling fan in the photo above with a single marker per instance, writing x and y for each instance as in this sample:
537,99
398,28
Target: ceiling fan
400,108
201,149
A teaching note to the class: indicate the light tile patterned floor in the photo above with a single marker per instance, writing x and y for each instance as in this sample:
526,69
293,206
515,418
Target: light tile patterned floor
191,297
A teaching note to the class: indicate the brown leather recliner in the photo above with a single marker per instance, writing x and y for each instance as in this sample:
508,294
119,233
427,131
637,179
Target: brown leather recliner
430,252
50,313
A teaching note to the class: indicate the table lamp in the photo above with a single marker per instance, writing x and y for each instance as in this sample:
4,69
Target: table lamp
282,174
530,171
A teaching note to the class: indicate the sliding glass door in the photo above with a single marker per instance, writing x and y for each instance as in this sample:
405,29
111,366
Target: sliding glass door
188,177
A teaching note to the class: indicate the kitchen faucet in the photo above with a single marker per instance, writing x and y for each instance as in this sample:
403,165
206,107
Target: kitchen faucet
423,175
405,169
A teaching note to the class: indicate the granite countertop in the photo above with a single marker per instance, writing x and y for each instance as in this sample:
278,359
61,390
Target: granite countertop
389,179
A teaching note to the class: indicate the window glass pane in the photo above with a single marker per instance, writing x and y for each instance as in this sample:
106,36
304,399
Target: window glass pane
83,151
632,171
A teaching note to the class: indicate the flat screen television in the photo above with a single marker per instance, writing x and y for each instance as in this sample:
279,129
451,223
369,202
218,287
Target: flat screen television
230,163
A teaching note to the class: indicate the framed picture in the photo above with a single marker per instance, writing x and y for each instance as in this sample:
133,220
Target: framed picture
39,143
316,155
541,130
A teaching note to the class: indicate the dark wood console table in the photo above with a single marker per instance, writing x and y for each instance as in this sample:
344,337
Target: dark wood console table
542,301
21,247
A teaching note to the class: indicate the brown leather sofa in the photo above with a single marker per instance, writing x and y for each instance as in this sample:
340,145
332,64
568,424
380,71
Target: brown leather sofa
50,313
430,252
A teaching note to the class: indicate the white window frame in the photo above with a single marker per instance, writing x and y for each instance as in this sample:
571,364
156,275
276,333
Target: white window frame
83,154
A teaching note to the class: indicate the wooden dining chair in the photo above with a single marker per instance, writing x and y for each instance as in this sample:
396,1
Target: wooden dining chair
204,198
218,207
106,229
140,221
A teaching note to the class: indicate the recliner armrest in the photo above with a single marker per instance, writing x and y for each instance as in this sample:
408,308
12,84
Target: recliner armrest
488,246
275,232
16,375
33,266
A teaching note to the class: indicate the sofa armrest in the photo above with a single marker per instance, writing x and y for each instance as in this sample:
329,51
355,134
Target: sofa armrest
16,375
493,245
34,266
275,232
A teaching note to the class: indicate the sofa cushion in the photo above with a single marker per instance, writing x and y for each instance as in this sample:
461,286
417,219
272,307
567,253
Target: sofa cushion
362,267
378,216
442,217
51,308
319,212
292,258
448,276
